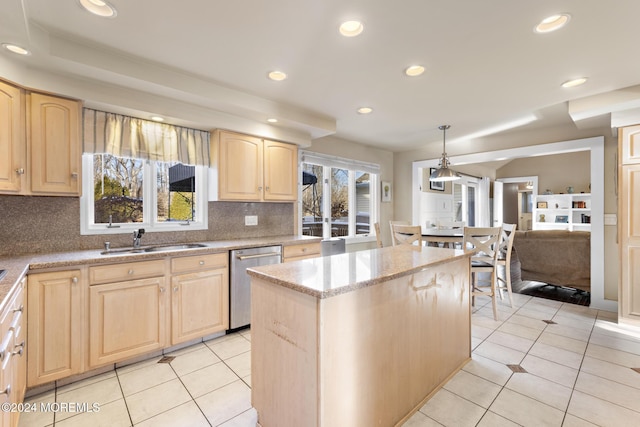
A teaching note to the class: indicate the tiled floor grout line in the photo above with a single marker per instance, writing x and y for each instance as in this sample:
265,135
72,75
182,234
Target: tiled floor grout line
193,399
573,388
126,405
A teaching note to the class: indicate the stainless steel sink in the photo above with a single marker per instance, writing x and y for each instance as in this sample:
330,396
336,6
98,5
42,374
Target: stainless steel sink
164,248
156,248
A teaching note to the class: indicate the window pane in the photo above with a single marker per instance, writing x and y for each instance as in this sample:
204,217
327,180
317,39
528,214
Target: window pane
117,189
363,202
312,200
339,202
176,187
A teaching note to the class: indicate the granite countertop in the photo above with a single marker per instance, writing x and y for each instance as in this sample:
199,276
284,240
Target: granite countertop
337,274
18,266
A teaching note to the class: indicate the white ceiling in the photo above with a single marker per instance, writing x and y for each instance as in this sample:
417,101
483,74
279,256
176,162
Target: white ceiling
486,69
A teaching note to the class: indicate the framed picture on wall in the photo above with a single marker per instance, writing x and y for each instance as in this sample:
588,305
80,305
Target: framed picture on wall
386,191
435,185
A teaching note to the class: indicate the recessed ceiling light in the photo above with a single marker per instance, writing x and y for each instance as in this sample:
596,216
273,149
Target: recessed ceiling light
552,23
574,82
365,110
277,76
414,70
157,118
16,49
272,120
99,7
351,28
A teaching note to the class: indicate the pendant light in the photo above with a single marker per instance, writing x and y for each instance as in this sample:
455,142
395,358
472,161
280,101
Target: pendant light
443,173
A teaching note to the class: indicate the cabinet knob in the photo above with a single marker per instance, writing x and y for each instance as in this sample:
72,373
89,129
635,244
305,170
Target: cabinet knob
74,280
162,289
21,348
7,390
20,171
130,272
74,174
267,188
175,289
304,249
19,309
259,188
201,263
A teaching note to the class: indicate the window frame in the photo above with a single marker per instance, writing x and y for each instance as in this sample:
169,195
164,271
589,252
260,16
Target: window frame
353,166
150,203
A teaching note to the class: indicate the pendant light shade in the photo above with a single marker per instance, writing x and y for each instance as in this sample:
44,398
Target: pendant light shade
443,173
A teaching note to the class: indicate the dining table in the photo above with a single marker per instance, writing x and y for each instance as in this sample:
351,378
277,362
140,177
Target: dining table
449,237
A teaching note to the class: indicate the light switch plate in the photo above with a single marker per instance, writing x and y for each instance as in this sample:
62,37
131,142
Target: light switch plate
610,219
251,220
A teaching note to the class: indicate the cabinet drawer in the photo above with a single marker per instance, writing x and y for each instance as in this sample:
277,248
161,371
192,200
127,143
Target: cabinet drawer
199,262
303,250
126,271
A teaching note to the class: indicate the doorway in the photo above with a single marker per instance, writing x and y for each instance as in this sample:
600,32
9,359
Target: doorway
516,200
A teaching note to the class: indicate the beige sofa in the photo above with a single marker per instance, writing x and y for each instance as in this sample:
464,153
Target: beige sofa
556,257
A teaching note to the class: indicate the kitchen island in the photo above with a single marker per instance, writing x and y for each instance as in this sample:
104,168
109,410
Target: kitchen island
357,339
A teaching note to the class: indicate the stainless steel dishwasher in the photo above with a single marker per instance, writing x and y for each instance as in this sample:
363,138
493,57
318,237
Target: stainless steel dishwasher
240,285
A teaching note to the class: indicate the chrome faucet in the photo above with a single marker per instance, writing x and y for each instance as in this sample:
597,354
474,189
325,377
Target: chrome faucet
137,235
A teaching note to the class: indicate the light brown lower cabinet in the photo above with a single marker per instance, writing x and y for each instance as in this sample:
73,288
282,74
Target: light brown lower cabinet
126,319
13,368
199,303
301,251
56,315
102,314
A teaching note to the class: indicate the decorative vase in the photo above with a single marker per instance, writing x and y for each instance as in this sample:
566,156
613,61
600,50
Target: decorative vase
570,190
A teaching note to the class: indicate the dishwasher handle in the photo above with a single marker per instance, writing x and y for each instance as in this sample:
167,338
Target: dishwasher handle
268,254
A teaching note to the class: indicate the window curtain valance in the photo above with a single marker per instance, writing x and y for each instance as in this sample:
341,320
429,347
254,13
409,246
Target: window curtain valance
125,136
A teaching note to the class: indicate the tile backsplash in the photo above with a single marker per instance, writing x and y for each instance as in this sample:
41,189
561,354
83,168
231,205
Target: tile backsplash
30,224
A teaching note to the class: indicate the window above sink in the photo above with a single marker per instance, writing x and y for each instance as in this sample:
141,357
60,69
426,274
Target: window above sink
138,173
122,194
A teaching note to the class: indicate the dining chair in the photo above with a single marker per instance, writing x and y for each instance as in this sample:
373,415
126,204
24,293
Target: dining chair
504,259
485,242
392,223
376,227
406,234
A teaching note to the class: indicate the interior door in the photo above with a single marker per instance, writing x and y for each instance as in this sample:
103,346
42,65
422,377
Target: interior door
497,203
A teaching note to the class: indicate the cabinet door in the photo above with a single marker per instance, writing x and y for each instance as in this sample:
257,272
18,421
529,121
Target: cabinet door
630,144
126,319
239,167
54,325
13,153
200,304
280,171
55,145
629,304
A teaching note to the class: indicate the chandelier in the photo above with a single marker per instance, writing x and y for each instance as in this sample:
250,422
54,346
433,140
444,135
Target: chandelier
443,173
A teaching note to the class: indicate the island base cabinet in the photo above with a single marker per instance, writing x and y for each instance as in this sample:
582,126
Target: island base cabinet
126,319
368,357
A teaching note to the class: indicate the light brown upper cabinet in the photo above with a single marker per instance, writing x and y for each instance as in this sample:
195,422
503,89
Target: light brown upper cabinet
55,145
40,152
629,224
253,169
629,145
13,151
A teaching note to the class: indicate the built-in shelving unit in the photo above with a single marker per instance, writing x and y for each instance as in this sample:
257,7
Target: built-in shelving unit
562,212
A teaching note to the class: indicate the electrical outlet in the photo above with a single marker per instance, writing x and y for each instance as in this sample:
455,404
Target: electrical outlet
251,220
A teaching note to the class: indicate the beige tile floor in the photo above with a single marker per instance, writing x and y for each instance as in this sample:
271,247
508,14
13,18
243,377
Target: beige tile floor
578,373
